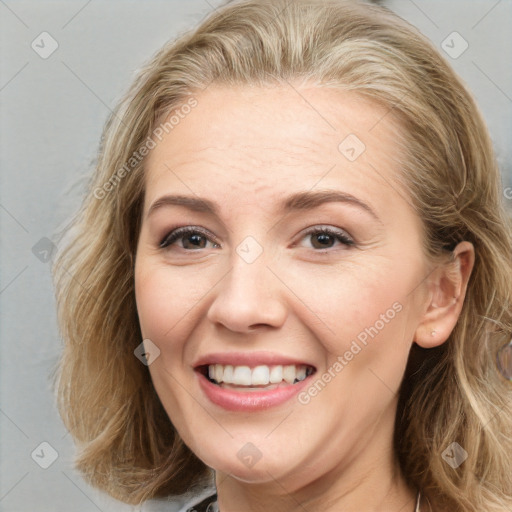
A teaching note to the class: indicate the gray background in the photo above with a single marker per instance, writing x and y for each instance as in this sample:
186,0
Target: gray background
53,111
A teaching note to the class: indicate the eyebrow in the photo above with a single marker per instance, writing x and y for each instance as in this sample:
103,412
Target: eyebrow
299,201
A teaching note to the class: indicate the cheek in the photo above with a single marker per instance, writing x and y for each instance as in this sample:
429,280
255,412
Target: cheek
162,307
152,304
365,336
164,298
364,303
366,331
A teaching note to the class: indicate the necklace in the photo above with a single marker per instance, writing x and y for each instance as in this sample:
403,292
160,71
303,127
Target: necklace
214,507
418,499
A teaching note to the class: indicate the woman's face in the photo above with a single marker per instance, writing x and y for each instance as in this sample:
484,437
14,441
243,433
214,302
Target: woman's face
260,291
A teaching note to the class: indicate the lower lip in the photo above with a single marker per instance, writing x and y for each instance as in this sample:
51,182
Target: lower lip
250,400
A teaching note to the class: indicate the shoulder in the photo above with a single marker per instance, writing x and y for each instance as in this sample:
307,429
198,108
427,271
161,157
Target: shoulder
197,500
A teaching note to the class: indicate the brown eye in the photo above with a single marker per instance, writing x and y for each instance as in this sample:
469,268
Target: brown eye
325,238
192,238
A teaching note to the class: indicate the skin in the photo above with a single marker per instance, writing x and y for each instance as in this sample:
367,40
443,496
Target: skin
247,148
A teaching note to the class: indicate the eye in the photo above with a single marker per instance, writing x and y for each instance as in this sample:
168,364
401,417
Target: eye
191,237
325,237
197,238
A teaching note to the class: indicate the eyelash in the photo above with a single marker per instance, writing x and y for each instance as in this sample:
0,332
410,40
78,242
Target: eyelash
178,233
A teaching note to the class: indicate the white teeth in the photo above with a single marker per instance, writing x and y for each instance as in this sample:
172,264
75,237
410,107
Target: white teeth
276,374
261,375
241,375
301,373
219,372
289,373
228,374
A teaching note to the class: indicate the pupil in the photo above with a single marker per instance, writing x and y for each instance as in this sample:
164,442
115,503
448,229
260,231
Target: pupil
323,238
196,241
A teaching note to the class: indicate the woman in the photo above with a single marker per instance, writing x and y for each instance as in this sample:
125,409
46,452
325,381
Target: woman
289,285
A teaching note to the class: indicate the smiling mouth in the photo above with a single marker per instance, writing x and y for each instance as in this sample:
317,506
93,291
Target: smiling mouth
258,378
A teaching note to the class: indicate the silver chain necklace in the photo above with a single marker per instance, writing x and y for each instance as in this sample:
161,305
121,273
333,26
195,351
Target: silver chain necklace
214,507
418,499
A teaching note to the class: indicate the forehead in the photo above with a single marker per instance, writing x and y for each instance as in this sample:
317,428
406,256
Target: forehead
268,141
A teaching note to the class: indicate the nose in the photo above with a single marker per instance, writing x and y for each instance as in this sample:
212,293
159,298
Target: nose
249,296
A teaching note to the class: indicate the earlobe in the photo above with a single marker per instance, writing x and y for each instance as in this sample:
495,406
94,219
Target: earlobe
448,285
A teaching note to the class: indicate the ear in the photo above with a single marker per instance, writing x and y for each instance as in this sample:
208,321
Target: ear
448,284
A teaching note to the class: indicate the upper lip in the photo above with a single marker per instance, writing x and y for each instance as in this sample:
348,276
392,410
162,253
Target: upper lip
251,359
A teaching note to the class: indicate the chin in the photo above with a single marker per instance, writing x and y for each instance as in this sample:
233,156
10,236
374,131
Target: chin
246,464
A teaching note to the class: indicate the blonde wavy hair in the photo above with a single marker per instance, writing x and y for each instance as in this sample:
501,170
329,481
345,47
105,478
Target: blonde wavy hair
127,444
